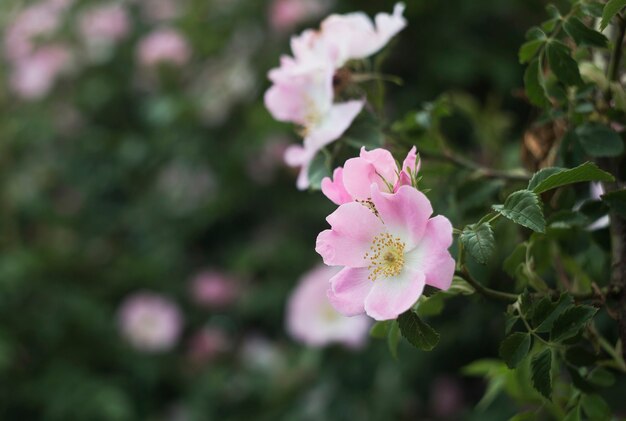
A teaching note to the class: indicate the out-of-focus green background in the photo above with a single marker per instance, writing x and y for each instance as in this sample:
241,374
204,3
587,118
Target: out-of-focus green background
118,179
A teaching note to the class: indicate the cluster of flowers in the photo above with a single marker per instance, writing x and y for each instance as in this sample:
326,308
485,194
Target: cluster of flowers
152,322
38,53
304,86
384,246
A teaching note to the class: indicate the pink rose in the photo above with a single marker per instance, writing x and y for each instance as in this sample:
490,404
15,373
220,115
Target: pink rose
34,75
313,321
163,46
214,289
390,248
206,344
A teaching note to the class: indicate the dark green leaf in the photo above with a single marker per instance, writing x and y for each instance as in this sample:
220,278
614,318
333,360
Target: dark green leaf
541,367
510,321
524,207
417,332
379,330
616,201
595,407
545,324
535,33
611,9
393,339
533,83
573,414
562,64
551,178
525,302
553,11
528,50
579,381
602,377
571,321
431,306
478,241
318,170
599,141
583,35
592,8
514,348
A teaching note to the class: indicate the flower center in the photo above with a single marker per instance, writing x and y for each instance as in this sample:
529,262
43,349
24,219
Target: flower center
386,256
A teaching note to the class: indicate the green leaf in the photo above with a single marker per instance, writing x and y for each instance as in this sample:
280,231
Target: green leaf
579,356
514,348
595,407
573,415
571,321
516,258
380,329
393,339
592,8
524,207
544,323
417,332
598,140
533,83
562,64
551,178
318,170
583,35
459,286
601,377
528,50
541,367
611,9
616,201
579,381
510,321
430,306
524,416
478,241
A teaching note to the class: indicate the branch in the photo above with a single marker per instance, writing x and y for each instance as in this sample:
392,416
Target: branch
487,292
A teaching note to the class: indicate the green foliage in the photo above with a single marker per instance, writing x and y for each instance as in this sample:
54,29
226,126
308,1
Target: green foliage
595,407
479,241
417,332
562,64
393,338
583,35
611,9
598,140
616,201
533,83
551,178
514,348
541,366
318,170
571,321
523,207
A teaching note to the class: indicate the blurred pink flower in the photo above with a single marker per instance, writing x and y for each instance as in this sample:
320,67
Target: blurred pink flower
284,15
104,24
160,10
163,46
446,397
390,248
33,76
214,289
313,321
150,322
302,90
206,344
354,180
40,20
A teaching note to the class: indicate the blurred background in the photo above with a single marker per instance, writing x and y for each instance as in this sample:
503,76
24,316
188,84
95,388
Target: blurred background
151,236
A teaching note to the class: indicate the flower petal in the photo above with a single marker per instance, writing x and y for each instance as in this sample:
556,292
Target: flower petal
431,256
391,297
404,213
334,188
353,226
332,124
348,291
371,167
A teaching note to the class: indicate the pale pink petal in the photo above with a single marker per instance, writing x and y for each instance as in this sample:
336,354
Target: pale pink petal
431,256
334,188
410,161
297,156
404,180
333,124
371,167
405,213
391,297
348,290
353,227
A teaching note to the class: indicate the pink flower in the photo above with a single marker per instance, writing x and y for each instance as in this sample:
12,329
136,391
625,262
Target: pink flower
104,24
163,46
354,180
33,23
302,90
214,289
160,10
285,14
304,96
33,76
390,248
150,322
206,344
313,321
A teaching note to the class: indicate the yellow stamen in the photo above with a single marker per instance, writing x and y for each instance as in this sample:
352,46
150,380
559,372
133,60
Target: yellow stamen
386,257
